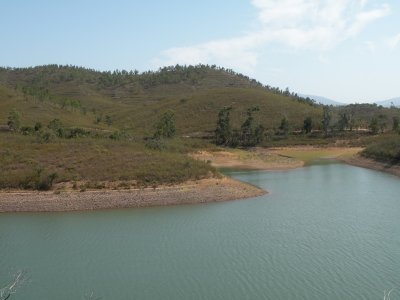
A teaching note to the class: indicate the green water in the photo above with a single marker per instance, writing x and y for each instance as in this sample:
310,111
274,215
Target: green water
324,232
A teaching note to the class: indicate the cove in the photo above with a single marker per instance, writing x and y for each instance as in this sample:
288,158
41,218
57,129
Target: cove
324,232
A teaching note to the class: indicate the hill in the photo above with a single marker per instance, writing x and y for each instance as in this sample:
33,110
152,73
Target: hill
86,128
323,100
98,123
390,102
133,100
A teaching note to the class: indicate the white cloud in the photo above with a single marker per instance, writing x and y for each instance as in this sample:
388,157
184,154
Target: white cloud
363,18
237,53
301,24
394,41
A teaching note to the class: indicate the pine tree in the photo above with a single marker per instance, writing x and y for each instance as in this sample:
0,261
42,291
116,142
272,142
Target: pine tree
223,132
14,120
326,119
165,127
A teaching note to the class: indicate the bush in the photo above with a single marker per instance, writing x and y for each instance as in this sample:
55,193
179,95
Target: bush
45,137
155,144
116,135
14,120
385,151
27,130
38,126
70,133
165,127
39,180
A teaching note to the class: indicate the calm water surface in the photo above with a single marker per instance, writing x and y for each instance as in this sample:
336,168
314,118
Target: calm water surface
324,232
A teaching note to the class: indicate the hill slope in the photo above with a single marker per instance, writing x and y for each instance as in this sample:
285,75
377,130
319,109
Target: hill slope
390,102
133,101
115,112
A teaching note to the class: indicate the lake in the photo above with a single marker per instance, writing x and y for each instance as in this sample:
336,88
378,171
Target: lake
324,232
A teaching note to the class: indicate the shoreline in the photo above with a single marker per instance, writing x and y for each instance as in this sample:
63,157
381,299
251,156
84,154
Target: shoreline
371,164
202,191
192,192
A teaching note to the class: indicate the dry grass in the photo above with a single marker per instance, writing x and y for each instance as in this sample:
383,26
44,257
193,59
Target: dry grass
95,161
257,159
273,158
310,155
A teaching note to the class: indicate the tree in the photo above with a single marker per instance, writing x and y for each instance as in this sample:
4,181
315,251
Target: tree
250,134
14,120
326,119
165,127
396,125
248,129
382,122
284,127
223,132
343,122
259,134
374,126
351,119
307,125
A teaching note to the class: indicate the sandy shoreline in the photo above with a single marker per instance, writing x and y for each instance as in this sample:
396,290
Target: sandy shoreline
202,191
363,162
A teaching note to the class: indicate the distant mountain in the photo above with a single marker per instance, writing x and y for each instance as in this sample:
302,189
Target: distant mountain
323,100
390,102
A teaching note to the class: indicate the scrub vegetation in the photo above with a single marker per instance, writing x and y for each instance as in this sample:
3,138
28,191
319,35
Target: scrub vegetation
385,149
67,124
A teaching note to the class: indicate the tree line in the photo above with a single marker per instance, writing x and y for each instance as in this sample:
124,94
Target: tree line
250,133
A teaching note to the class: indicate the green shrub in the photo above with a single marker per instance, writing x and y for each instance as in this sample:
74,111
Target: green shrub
14,120
38,126
45,137
165,127
39,180
116,135
156,144
387,150
27,130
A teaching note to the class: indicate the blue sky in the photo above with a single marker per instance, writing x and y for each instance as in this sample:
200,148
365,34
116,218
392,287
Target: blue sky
347,50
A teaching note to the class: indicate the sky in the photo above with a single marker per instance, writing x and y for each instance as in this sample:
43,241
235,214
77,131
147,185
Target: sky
346,50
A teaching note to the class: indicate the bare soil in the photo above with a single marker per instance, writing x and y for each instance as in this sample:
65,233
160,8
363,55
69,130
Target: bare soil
256,159
202,191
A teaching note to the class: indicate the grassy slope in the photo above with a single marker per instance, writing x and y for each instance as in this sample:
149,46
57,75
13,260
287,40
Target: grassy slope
32,111
93,161
135,106
198,111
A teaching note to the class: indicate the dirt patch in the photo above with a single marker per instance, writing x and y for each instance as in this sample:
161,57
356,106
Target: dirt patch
256,159
310,154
